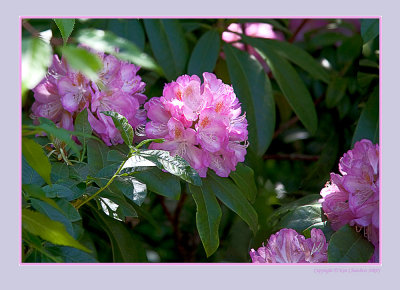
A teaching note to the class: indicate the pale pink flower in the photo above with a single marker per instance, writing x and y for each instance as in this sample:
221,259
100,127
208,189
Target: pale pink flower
287,246
200,122
353,197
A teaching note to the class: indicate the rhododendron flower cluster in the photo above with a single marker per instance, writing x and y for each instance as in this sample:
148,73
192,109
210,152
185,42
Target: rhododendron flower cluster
287,246
64,92
353,197
200,122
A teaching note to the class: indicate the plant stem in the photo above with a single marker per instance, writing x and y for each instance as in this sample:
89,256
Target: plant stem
102,188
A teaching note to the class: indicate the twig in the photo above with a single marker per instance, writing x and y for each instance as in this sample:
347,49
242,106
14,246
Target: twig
292,38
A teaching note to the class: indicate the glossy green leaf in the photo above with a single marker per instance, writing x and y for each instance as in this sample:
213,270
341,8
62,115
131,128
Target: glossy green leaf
368,124
369,29
83,61
205,54
175,165
292,87
233,198
131,29
106,41
254,92
127,185
36,57
243,177
302,218
160,182
348,246
336,91
294,54
208,216
66,26
115,156
36,158
115,205
125,246
52,231
168,44
121,123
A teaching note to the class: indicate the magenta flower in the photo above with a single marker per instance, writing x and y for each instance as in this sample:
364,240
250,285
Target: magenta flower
200,122
287,246
48,103
353,197
63,93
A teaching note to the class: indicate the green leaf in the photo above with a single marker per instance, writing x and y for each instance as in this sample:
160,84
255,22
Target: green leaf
121,123
34,190
348,246
36,57
233,198
208,217
127,185
335,92
294,54
68,210
97,156
369,29
36,158
162,159
254,92
160,182
205,53
66,26
82,125
144,142
29,175
292,87
83,61
115,205
53,213
350,49
368,124
243,177
302,218
115,156
106,41
168,44
58,190
52,231
125,246
131,29
71,255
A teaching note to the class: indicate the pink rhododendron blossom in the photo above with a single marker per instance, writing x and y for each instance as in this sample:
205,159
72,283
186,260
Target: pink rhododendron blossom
200,122
287,246
260,30
63,93
353,197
